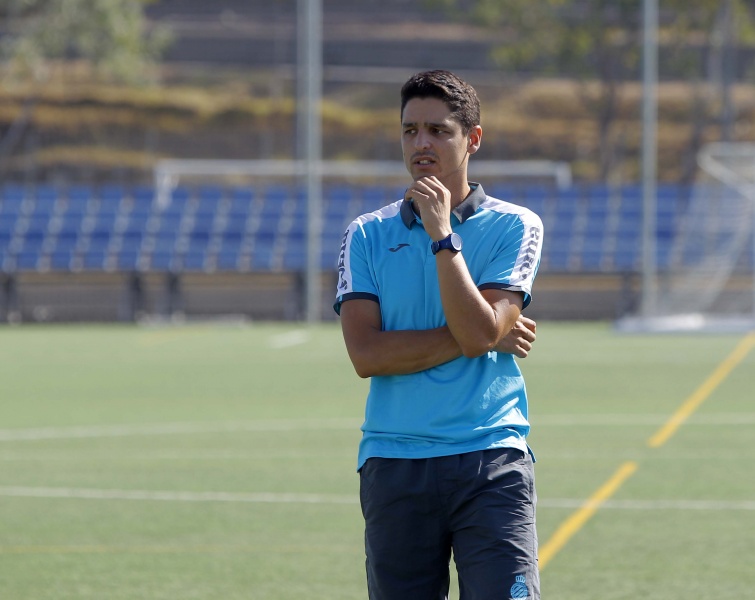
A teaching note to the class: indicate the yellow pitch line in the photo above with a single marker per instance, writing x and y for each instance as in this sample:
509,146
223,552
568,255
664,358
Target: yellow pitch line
703,392
577,520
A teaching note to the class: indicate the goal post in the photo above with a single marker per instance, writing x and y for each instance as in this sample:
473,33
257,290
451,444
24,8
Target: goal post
168,174
706,272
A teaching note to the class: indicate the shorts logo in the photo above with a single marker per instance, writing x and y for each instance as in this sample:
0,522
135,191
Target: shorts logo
519,590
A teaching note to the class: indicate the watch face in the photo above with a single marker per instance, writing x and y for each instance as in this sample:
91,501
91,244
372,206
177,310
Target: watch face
456,242
452,243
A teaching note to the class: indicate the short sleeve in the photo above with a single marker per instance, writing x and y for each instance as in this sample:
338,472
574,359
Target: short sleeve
517,257
355,278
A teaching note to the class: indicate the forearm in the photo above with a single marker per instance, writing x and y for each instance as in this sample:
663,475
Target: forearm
405,352
375,352
476,324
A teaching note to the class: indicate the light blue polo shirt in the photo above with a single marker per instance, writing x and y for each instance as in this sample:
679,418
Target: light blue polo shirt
466,404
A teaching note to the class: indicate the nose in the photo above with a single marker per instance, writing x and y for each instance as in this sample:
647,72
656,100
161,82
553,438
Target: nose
422,140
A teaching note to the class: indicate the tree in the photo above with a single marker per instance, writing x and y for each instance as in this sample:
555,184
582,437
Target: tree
598,41
111,35
41,37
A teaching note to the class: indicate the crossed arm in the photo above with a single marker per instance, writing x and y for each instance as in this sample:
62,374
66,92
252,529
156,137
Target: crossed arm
376,352
477,321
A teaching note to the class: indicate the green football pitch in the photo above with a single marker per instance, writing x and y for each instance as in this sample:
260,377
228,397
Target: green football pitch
218,462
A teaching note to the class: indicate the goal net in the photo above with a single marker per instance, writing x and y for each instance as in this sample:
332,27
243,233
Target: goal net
705,278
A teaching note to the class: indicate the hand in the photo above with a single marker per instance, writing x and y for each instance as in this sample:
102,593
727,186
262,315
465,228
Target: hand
519,340
433,201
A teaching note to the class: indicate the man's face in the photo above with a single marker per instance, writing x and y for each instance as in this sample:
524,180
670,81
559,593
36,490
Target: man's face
432,141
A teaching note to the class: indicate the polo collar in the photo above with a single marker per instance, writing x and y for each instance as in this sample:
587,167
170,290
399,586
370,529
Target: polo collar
462,212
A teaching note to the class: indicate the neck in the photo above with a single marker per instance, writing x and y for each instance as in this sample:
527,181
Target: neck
465,191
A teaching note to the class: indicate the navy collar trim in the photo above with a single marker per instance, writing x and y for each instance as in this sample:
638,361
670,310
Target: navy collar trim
462,212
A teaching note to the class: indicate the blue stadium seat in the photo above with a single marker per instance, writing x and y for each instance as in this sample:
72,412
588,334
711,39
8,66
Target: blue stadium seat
558,252
99,239
209,196
328,259
295,253
506,192
142,198
300,209
229,252
12,198
7,261
70,221
169,223
61,260
274,200
336,208
30,251
628,248
227,261
337,195
37,223
128,260
135,222
194,260
94,259
262,259
43,227
241,201
162,260
112,192
536,198
8,222
180,195
373,198
131,240
198,240
45,198
5,239
268,224
78,198
593,253
66,240
109,203
27,260
234,226
277,194
203,222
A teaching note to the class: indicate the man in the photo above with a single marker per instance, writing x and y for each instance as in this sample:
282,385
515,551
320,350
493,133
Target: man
430,293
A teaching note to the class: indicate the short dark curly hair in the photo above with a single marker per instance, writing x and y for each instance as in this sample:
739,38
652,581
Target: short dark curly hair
460,97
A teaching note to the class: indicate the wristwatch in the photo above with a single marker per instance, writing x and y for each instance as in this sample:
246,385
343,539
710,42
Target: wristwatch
451,242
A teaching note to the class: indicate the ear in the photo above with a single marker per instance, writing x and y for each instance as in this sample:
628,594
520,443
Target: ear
474,138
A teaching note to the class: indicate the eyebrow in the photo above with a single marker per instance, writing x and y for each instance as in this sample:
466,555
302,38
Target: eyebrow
413,124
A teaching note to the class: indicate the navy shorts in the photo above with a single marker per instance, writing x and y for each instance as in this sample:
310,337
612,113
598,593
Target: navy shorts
478,505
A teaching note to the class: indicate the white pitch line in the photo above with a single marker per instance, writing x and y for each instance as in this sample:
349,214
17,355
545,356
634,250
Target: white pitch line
96,431
289,339
147,429
293,498
178,496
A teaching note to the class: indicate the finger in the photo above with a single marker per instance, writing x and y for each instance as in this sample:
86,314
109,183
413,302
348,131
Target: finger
522,332
521,352
431,187
528,323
